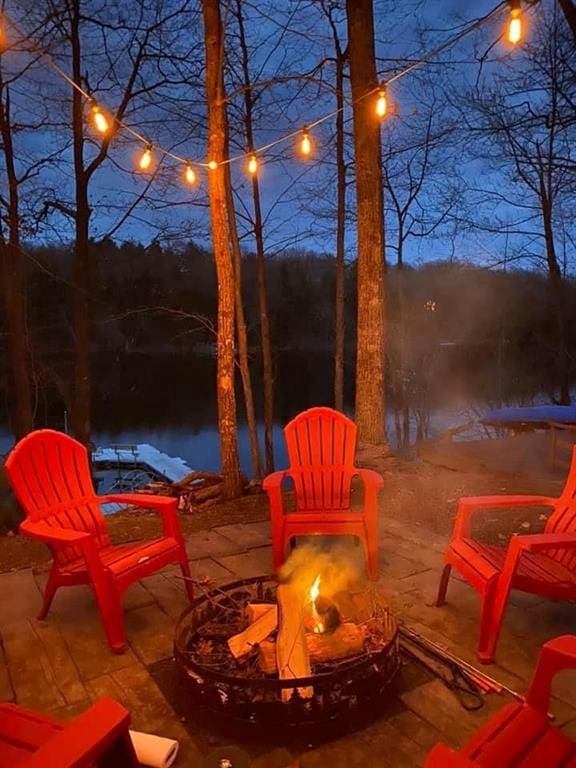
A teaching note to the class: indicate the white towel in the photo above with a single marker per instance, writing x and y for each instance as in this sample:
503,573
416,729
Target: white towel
154,751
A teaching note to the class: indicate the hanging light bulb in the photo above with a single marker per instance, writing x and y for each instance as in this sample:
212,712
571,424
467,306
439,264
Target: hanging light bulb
515,22
101,122
190,174
252,164
305,143
145,159
382,102
212,164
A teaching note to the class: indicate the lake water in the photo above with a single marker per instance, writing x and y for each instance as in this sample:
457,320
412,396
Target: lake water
170,403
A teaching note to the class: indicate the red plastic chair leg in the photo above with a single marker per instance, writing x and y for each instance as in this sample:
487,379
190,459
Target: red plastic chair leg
51,587
493,608
110,605
443,586
371,550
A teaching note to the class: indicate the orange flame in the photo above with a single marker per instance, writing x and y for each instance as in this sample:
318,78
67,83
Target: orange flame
314,593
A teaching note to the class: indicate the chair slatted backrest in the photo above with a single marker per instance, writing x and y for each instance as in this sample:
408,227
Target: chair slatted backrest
50,475
321,446
563,519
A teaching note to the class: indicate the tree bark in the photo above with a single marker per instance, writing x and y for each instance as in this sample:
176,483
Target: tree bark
83,267
267,367
214,43
569,10
243,360
12,270
370,406
339,318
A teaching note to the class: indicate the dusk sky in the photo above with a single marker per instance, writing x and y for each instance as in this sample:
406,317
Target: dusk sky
298,196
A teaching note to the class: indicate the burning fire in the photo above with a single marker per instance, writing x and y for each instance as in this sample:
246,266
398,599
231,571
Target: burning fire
315,593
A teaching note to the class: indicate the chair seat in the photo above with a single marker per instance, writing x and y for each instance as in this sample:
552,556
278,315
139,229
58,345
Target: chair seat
521,737
533,567
125,557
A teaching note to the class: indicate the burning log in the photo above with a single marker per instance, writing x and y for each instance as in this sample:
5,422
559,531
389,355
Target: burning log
242,643
346,640
253,611
291,650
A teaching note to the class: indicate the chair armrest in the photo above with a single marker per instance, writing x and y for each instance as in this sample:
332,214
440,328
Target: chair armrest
468,506
371,479
53,535
273,486
167,506
88,737
538,542
555,655
442,756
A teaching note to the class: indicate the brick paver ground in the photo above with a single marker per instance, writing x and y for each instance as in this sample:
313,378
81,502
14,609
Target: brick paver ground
63,664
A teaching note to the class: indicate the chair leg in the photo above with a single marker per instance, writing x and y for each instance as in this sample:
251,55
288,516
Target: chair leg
185,568
444,579
494,603
51,587
371,552
278,546
110,605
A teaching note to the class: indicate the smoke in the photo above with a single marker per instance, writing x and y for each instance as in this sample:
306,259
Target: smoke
338,561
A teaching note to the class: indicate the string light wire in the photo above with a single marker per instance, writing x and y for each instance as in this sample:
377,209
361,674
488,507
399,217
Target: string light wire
432,54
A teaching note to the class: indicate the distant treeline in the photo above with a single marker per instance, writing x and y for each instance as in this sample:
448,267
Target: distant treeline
155,300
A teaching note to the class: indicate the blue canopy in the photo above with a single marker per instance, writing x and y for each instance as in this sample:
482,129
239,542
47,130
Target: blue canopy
530,416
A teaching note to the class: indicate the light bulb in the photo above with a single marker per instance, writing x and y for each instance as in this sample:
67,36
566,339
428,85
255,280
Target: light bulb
190,175
305,143
381,103
100,120
252,164
145,159
212,164
515,23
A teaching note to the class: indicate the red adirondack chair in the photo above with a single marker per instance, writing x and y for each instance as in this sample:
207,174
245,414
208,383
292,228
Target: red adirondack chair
542,564
321,446
521,734
97,739
49,473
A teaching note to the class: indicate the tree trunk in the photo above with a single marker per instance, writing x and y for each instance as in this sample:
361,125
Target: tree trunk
83,268
214,42
12,271
339,319
569,10
267,368
370,407
557,295
241,330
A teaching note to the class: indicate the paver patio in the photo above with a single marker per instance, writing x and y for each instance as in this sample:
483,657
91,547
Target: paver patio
63,664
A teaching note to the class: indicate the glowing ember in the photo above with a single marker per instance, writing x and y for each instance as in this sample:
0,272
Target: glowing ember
315,593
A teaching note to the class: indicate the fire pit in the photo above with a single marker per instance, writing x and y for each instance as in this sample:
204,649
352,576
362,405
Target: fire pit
241,658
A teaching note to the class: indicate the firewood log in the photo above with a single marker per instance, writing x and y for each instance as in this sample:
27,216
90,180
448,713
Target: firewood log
242,643
291,650
346,640
253,611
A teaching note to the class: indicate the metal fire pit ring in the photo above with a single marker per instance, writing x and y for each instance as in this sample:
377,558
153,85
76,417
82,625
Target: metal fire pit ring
355,688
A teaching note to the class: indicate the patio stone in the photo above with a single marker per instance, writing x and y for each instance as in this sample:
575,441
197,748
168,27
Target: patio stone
247,535
392,564
253,563
209,544
168,593
150,632
32,676
19,596
65,672
6,690
207,568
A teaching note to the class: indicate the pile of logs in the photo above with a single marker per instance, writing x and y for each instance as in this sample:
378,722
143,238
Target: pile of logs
196,490
289,638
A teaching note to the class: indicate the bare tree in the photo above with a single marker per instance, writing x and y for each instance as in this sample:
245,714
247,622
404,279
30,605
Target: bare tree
370,405
217,145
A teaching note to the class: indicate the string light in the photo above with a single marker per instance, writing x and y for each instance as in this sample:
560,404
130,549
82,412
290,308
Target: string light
382,102
100,120
305,143
515,22
104,123
252,165
145,159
